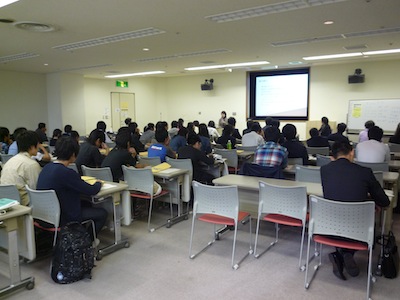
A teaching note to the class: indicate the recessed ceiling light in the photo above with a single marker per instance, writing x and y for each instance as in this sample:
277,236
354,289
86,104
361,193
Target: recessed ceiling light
331,56
46,64
34,27
329,22
145,49
135,74
389,51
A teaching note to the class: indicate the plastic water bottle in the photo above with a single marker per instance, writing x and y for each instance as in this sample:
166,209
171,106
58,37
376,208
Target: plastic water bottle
229,145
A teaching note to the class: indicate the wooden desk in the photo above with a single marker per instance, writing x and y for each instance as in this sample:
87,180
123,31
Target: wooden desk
113,190
9,222
248,188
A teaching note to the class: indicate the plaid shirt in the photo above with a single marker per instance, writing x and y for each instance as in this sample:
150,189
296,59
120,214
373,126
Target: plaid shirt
270,155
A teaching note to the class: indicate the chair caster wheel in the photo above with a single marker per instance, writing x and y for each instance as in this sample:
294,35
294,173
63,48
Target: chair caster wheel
235,267
30,285
99,257
127,245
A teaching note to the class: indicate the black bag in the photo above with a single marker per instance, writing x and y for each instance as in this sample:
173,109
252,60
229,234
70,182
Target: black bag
390,259
73,257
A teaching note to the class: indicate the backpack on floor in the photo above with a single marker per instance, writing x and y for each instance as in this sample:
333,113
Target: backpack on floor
73,257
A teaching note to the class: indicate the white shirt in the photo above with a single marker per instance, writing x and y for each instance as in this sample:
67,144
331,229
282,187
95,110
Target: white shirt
213,133
20,170
372,151
252,139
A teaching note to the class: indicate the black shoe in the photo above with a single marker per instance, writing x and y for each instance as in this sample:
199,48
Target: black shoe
337,264
350,265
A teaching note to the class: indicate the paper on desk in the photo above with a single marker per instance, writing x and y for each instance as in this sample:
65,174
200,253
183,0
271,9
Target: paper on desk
168,171
89,179
161,167
6,203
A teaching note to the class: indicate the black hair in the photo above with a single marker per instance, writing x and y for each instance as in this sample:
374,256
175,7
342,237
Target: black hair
132,127
232,121
272,134
74,135
149,126
66,147
183,131
369,124
4,132
375,133
227,131
174,124
203,131
275,123
161,135
57,132
256,127
123,138
95,135
193,139
26,140
41,125
211,124
17,132
268,121
289,131
397,132
341,127
67,128
190,127
249,123
101,125
128,121
223,112
314,132
341,148
325,120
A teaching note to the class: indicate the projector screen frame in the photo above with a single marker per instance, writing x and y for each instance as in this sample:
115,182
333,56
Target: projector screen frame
251,92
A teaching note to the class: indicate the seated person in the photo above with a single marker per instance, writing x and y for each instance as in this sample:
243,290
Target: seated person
212,131
200,161
325,129
89,153
343,180
179,140
174,129
204,138
101,125
235,132
135,137
395,139
373,150
227,136
148,134
254,137
249,123
5,140
21,169
68,186
122,154
161,148
338,136
294,147
271,154
56,135
13,149
363,135
41,132
67,130
316,140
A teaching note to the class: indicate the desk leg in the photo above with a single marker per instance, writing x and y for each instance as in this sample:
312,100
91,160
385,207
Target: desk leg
126,207
185,198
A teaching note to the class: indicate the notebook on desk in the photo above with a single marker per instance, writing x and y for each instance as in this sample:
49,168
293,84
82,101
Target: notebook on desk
161,167
6,203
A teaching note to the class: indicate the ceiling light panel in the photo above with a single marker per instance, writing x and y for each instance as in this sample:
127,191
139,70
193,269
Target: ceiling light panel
110,39
19,56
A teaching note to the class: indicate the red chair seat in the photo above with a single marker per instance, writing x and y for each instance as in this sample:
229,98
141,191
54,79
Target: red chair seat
147,196
284,220
216,219
232,170
355,245
52,229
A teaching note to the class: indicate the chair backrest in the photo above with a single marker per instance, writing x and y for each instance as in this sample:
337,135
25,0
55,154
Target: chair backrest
295,161
185,163
9,191
230,155
286,200
323,160
246,148
394,147
5,157
308,174
99,173
384,167
45,205
140,180
250,169
73,167
318,150
150,161
379,177
353,220
218,200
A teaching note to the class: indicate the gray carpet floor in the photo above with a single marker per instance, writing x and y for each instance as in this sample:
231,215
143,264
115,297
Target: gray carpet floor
157,266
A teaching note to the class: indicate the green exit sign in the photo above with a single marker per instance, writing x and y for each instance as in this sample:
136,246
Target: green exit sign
123,84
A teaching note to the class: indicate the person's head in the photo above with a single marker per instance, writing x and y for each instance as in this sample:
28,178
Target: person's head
150,126
211,124
272,134
4,134
128,121
180,122
57,133
123,138
190,127
162,136
28,141
174,124
369,124
42,127
194,141
324,120
17,132
232,121
161,125
101,125
268,121
223,114
375,133
256,127
132,127
341,127
275,123
397,132
228,130
75,135
203,131
249,123
314,132
67,129
66,149
183,132
342,149
289,131
96,137
196,123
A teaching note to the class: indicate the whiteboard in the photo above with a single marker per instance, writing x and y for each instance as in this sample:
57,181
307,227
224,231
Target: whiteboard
384,112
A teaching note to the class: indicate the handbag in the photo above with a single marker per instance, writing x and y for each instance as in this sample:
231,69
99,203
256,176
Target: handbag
390,259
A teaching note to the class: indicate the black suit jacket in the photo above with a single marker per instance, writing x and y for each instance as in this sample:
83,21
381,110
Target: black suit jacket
343,180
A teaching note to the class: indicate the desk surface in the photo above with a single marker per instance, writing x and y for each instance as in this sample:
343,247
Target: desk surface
15,211
251,183
110,188
394,164
170,173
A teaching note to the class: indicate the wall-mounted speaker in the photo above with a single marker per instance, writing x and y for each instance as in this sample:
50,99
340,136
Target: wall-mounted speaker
357,77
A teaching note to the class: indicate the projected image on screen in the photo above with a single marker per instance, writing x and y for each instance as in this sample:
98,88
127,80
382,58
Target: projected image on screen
280,94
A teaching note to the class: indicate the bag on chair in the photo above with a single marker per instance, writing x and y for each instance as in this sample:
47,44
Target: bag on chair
390,259
73,258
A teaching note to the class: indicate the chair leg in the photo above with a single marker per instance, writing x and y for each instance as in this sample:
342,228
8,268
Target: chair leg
235,266
271,244
307,282
192,256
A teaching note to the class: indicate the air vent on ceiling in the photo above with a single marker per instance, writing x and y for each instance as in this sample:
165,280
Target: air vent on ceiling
356,47
182,55
34,27
5,59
